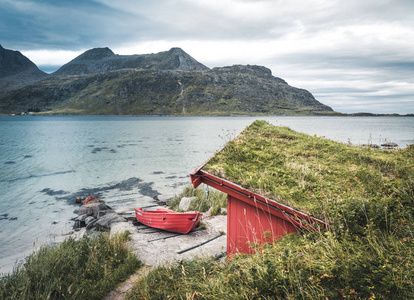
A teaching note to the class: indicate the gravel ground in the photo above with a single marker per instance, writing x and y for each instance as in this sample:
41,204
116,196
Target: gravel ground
155,247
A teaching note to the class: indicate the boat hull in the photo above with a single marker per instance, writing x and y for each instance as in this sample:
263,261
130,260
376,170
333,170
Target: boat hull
168,220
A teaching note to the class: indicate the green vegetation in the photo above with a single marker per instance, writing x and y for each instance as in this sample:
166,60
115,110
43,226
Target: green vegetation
313,174
246,90
303,266
88,268
214,202
181,280
366,196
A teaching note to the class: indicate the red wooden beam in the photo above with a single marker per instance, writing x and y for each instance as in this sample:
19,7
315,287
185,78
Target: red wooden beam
282,211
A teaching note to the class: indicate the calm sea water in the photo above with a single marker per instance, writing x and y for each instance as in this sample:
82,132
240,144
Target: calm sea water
45,162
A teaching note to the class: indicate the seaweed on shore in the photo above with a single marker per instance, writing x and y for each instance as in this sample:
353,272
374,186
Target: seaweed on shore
145,188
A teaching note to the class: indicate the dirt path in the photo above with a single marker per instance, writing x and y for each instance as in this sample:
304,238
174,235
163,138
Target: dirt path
120,292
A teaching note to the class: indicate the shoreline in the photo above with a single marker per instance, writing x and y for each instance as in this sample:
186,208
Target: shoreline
151,245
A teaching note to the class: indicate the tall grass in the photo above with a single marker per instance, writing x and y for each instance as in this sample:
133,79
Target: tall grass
178,280
306,172
209,199
298,266
88,268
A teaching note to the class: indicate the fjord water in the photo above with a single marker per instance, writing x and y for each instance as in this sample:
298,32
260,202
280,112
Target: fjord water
45,162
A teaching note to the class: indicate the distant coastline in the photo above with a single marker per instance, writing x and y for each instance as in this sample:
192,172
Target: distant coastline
216,114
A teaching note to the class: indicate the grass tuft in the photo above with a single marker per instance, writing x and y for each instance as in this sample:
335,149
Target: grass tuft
88,268
214,202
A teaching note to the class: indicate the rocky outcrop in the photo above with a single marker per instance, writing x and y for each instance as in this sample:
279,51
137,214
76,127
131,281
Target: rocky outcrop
104,223
248,89
95,210
94,213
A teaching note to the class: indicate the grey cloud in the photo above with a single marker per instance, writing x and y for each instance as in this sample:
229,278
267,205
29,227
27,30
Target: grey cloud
338,62
63,24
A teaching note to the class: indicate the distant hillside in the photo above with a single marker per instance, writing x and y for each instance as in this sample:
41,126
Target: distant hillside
16,70
166,83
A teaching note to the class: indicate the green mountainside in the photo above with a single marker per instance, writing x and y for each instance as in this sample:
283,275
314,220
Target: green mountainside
99,82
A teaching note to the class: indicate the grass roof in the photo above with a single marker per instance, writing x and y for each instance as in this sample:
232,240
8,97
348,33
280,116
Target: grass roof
309,173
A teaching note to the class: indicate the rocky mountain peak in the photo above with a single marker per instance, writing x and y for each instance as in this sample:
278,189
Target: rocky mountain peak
100,60
249,70
95,54
178,59
177,50
16,70
13,62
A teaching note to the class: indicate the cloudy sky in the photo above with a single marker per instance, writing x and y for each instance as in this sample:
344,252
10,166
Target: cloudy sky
353,55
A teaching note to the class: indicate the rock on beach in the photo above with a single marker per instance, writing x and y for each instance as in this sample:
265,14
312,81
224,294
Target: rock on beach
154,246
92,211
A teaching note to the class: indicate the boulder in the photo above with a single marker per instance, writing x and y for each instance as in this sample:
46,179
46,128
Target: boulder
96,209
88,220
91,224
163,199
91,199
79,199
80,221
374,146
81,218
389,145
104,223
186,202
76,226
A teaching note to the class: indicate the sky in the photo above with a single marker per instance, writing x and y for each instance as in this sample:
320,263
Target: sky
353,55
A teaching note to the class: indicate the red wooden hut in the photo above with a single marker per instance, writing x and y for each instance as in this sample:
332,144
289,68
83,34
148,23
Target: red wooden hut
251,217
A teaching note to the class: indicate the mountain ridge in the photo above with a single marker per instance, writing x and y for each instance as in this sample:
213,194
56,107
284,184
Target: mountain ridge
166,83
103,60
16,70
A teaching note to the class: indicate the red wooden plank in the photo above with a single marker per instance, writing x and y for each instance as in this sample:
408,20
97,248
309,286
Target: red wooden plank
248,224
196,180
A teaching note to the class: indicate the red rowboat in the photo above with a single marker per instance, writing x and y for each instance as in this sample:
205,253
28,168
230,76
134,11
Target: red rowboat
168,220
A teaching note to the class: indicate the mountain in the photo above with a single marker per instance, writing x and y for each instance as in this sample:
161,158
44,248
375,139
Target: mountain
16,70
166,83
103,60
